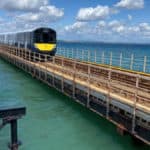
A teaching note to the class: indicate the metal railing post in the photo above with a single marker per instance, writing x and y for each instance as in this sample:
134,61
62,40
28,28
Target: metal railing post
18,49
25,50
131,63
135,102
25,46
68,53
120,62
89,88
95,57
29,55
53,71
63,51
82,55
62,78
76,53
108,94
34,56
110,63
72,52
58,51
74,77
103,55
88,55
145,62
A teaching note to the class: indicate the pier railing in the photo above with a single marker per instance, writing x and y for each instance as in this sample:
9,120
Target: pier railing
129,62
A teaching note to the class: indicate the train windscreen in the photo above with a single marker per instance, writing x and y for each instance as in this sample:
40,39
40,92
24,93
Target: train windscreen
45,36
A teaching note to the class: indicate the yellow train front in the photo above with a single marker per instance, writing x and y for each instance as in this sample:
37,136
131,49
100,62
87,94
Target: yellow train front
44,41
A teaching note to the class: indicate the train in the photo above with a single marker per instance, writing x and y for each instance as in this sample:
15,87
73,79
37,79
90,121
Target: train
40,40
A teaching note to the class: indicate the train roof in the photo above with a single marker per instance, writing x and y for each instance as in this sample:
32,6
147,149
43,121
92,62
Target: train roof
25,31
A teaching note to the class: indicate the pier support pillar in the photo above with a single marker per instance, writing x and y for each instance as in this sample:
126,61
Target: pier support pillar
14,136
10,116
121,130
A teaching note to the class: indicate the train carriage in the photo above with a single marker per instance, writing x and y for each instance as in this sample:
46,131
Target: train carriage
40,40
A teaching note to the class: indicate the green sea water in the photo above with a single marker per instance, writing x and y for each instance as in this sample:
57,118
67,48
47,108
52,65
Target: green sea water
54,121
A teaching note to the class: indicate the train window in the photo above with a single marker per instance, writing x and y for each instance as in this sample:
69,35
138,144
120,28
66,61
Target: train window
128,114
51,39
144,121
122,112
137,118
46,38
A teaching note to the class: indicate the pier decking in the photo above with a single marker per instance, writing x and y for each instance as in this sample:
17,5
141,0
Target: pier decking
121,96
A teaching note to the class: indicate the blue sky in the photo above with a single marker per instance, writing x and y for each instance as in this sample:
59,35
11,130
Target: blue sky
94,20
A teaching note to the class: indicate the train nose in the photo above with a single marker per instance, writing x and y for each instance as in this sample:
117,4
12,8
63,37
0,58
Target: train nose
45,47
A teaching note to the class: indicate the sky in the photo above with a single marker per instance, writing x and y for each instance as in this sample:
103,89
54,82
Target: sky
126,21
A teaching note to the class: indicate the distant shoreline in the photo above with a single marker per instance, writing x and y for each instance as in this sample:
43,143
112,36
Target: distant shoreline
102,42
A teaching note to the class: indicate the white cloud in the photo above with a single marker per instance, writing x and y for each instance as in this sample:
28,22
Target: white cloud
133,29
28,17
114,23
19,26
102,27
25,5
46,13
76,27
116,26
97,13
114,30
144,27
101,24
119,29
52,11
131,4
39,13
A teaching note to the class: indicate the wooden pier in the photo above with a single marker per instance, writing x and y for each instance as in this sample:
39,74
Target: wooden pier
121,96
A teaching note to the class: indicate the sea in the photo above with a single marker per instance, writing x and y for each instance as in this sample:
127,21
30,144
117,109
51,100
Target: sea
54,121
128,56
